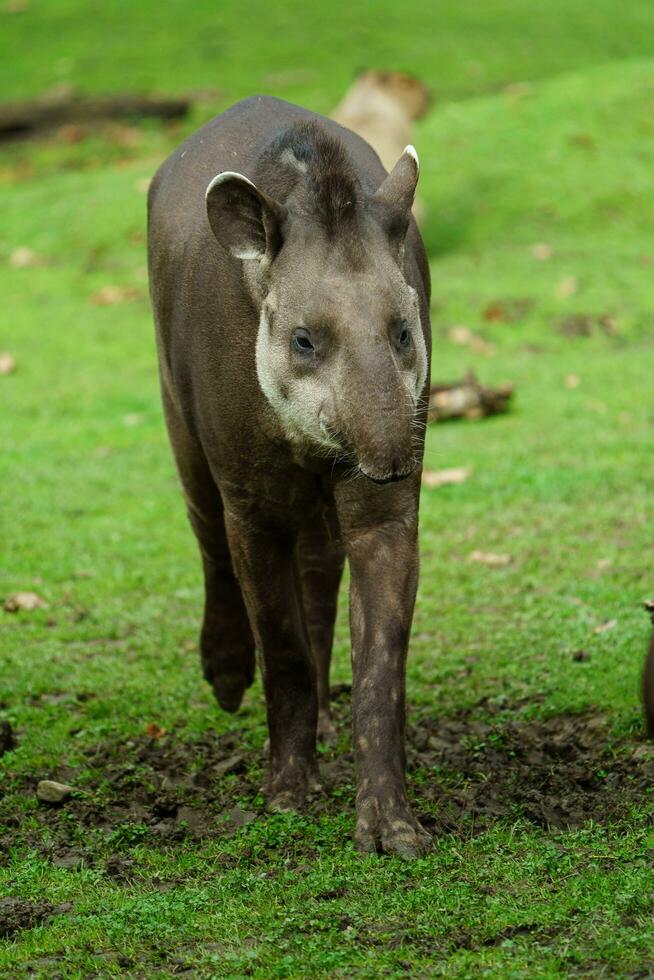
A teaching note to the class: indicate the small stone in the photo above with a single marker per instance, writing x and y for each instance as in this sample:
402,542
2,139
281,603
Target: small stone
241,818
49,791
235,763
24,602
70,862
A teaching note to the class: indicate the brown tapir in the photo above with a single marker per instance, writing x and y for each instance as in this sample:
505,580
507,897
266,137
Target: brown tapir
648,677
648,689
291,295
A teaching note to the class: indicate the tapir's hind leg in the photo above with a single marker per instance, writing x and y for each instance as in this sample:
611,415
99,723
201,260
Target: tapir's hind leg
321,557
226,641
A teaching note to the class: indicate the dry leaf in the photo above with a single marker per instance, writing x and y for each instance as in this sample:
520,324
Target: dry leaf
572,381
584,140
7,363
481,346
567,287
489,558
541,251
154,731
112,295
16,6
605,627
143,185
71,133
24,602
495,312
460,335
25,258
441,478
466,338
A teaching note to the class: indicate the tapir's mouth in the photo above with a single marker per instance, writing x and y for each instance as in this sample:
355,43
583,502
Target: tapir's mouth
387,478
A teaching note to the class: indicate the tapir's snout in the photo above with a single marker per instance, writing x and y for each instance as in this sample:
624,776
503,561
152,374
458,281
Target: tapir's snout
381,480
379,431
388,469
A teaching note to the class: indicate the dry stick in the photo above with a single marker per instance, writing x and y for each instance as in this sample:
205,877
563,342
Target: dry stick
467,399
23,119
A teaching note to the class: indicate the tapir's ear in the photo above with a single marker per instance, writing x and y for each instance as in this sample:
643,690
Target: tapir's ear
246,221
394,199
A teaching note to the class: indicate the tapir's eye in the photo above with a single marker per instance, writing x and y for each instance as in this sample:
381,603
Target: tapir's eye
301,342
404,338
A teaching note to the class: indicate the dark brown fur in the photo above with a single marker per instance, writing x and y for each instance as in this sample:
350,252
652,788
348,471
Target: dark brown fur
275,517
648,689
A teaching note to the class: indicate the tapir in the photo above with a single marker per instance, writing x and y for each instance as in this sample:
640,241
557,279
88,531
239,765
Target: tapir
290,290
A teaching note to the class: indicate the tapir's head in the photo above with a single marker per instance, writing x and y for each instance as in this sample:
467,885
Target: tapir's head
340,351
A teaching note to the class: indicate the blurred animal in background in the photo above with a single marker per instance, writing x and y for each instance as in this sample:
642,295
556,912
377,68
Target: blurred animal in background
382,107
648,677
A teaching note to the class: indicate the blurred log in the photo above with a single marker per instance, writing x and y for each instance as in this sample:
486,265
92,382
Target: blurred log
22,119
467,399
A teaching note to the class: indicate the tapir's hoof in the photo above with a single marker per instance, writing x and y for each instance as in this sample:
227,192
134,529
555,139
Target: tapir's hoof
229,690
288,793
229,668
395,832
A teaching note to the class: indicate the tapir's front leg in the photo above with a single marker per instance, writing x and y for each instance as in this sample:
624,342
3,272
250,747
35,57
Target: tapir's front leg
383,556
266,568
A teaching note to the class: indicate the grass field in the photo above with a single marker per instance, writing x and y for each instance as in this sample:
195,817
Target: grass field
527,758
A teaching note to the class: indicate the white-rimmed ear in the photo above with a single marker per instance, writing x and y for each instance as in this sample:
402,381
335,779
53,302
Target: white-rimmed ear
394,199
246,221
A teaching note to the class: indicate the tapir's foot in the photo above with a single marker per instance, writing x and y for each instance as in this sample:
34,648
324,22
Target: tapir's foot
326,731
230,673
389,827
288,789
229,690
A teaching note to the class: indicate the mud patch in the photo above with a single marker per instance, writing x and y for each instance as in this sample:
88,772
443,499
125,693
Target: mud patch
559,773
466,772
18,913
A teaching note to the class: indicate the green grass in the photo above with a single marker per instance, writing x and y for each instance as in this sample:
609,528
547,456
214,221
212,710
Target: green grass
92,517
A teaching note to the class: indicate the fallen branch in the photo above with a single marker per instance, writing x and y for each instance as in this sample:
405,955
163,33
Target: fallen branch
467,399
22,119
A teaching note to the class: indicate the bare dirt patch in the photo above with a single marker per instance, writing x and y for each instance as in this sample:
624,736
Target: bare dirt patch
467,771
558,773
18,913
